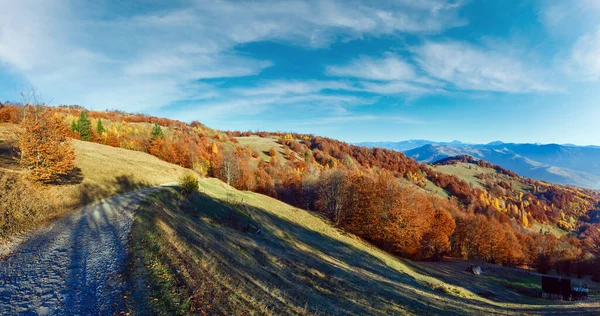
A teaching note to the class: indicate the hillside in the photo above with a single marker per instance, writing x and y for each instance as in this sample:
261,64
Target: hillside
477,211
561,164
102,171
208,256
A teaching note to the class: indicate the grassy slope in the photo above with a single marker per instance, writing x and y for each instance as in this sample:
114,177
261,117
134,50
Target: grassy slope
466,172
262,146
201,254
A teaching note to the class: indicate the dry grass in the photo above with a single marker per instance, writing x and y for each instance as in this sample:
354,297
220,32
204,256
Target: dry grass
466,172
262,146
537,226
102,171
205,256
22,207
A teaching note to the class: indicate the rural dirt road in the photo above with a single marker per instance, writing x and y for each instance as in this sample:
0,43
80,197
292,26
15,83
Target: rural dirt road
74,266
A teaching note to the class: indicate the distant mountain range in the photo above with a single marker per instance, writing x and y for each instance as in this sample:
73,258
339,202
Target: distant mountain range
564,164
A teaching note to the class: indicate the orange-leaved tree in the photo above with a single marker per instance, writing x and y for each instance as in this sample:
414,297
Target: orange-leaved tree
44,146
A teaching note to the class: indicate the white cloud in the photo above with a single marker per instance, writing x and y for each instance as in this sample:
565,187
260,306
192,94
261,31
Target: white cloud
397,87
563,14
108,56
389,75
292,87
391,67
256,104
364,118
585,56
470,67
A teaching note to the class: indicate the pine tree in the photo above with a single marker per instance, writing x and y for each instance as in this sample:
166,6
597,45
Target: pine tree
157,132
74,127
100,127
84,127
44,146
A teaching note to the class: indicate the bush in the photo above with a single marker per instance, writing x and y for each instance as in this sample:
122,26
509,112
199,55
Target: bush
188,183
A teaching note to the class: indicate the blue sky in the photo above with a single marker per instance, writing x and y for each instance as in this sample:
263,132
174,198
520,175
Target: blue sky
475,71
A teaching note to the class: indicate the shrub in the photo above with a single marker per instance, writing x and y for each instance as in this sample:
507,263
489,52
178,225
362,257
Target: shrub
188,183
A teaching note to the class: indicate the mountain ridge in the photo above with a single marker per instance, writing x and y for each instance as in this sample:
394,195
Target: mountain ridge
561,164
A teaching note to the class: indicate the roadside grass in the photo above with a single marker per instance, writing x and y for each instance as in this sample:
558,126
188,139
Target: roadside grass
206,255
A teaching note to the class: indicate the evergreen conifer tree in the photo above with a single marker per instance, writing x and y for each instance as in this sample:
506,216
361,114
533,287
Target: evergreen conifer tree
157,132
85,127
100,127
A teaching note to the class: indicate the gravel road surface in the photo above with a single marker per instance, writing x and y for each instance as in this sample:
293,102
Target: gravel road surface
74,266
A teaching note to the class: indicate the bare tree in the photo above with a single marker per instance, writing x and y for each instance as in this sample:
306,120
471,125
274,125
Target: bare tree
229,170
31,97
332,195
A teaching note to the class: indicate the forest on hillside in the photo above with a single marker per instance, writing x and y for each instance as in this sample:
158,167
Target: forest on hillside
374,193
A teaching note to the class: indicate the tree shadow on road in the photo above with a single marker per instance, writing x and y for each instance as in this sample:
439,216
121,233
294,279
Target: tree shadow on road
99,248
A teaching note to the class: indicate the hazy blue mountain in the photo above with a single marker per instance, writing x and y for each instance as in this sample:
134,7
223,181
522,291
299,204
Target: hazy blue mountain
564,164
410,144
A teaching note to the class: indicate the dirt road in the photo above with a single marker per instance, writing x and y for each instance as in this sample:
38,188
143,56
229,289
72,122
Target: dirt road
74,266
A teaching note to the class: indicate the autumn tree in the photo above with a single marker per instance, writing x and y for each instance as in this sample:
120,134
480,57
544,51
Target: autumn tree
44,147
112,139
436,241
272,152
84,126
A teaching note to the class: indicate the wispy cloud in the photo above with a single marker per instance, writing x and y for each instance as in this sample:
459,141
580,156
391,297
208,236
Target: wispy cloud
240,105
563,14
388,75
364,118
111,56
391,67
585,56
471,67
292,87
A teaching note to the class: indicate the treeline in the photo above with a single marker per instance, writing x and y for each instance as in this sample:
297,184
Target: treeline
369,191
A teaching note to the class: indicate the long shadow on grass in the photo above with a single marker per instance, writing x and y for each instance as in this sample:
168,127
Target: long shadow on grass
292,263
